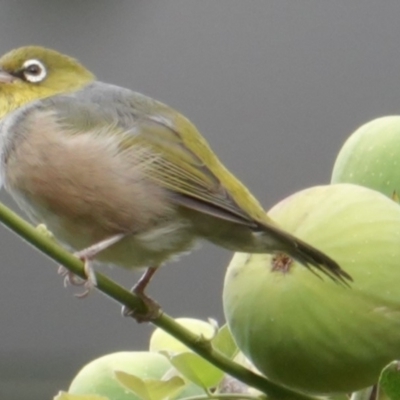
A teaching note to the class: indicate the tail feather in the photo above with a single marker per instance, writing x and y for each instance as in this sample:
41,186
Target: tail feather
312,258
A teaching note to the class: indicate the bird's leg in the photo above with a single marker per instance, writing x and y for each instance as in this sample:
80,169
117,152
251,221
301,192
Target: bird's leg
144,280
153,308
87,255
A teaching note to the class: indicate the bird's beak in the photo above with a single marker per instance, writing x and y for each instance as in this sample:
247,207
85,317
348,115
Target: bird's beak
5,77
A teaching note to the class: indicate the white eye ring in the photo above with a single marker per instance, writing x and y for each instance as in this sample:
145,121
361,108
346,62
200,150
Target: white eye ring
34,71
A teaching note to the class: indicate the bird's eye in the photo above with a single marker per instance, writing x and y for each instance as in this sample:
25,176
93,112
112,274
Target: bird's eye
34,71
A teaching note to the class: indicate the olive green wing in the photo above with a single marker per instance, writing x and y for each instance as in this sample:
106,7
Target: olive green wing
188,168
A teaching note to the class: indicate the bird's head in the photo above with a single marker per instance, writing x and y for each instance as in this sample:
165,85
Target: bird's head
33,72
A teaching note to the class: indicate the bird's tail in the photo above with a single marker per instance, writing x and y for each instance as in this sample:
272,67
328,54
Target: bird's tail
312,258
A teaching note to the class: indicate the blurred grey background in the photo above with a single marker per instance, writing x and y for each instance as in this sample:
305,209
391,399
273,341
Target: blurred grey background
275,86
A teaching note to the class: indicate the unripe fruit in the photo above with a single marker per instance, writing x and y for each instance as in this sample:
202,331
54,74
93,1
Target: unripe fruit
98,376
313,334
371,156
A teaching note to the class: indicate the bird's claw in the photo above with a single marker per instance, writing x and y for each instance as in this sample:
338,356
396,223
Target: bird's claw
71,279
153,309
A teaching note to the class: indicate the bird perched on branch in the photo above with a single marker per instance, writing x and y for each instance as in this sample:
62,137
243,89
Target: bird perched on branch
122,178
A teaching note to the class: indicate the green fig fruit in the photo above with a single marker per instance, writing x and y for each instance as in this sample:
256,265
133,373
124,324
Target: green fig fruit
306,331
371,157
100,376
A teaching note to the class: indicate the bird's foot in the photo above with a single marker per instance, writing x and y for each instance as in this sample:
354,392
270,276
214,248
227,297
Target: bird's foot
153,309
87,256
71,279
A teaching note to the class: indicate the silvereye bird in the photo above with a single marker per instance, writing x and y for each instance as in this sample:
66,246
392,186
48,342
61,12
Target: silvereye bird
122,176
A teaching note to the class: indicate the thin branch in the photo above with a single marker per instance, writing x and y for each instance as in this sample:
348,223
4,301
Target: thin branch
124,297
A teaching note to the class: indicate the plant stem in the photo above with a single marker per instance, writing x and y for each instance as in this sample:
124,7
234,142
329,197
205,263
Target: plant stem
124,297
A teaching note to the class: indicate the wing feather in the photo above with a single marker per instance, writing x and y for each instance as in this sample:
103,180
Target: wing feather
182,172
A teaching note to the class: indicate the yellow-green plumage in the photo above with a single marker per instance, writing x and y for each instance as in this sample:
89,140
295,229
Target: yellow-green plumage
93,160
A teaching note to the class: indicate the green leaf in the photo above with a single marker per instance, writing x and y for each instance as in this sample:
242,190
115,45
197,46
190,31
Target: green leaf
389,380
196,369
224,343
68,396
150,389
